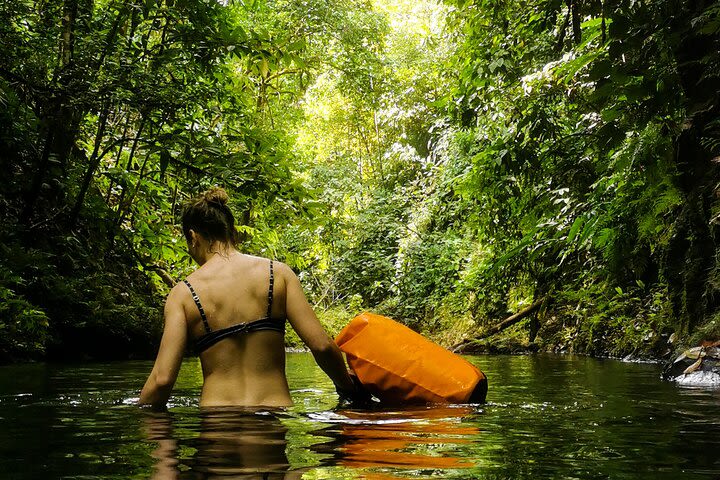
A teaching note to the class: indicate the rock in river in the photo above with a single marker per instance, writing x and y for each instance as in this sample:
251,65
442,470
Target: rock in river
699,366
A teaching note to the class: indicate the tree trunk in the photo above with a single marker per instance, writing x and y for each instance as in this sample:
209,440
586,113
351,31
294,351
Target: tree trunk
115,223
34,192
93,164
513,319
509,321
575,11
62,122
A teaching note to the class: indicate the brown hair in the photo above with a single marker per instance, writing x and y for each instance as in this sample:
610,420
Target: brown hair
209,215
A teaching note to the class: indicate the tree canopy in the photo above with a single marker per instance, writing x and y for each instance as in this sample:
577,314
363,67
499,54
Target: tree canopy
445,163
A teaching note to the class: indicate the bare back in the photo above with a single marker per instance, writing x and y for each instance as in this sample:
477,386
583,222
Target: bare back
245,368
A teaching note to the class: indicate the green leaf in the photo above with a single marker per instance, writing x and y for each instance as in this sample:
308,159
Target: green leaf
575,228
610,114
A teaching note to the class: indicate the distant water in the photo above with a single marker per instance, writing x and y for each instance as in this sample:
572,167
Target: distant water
546,417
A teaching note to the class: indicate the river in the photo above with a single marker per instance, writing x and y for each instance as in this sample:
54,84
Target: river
546,417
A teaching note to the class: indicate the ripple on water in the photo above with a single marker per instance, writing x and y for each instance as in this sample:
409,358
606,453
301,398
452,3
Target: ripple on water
547,417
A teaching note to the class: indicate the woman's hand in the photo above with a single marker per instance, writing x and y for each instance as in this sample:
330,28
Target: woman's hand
358,396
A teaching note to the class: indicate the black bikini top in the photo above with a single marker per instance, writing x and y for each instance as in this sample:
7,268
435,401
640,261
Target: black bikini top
211,337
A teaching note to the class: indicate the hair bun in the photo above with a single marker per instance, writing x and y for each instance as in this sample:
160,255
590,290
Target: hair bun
216,195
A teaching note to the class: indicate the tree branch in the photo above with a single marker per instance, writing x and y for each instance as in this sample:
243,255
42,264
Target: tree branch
509,321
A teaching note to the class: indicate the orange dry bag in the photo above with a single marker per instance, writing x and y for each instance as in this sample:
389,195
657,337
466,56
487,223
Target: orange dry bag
398,365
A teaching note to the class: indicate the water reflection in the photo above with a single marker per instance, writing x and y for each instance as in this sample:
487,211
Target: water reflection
252,444
405,439
231,442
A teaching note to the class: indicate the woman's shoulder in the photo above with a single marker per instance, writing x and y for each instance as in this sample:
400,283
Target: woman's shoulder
243,265
178,294
277,264
246,257
281,270
256,262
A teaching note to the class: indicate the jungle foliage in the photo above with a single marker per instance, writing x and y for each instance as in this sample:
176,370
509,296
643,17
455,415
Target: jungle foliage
112,114
565,151
443,163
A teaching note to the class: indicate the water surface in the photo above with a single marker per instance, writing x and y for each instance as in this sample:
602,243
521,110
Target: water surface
546,417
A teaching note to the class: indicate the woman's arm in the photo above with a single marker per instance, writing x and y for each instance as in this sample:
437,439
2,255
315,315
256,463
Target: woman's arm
302,318
159,384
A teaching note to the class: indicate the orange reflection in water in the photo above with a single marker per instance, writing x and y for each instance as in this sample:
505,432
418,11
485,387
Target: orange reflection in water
405,439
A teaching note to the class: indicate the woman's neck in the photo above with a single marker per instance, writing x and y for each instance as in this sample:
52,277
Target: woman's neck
216,249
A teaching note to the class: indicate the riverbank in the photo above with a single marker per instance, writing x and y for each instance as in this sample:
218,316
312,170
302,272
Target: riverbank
644,339
567,339
112,330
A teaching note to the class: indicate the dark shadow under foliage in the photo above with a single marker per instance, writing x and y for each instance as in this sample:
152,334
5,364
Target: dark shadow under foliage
66,297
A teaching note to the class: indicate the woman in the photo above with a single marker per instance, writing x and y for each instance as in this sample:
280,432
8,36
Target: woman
233,308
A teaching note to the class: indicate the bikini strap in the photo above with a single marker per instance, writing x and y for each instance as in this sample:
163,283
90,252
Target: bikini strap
270,291
199,305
